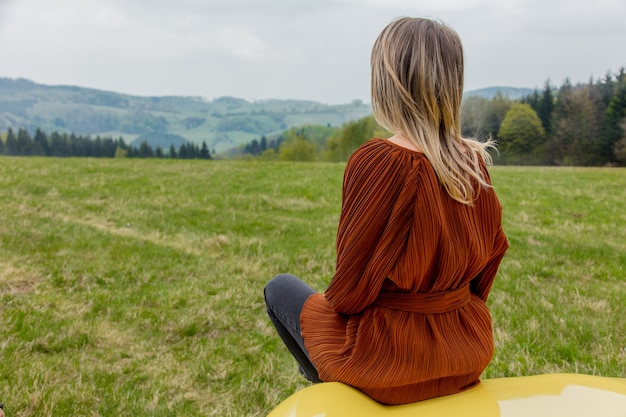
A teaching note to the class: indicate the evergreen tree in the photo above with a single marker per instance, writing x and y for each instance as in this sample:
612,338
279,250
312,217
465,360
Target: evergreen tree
77,146
158,152
172,152
534,100
59,145
31,147
546,107
121,144
10,146
619,149
145,150
204,151
606,88
614,116
99,148
109,147
132,152
41,139
24,142
182,151
253,148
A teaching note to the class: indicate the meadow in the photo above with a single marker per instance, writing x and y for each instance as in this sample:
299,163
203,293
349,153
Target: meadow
134,287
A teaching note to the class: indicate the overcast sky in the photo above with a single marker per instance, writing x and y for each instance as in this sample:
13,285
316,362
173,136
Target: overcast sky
301,49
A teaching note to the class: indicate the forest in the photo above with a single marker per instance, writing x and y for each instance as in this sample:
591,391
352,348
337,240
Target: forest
570,125
65,145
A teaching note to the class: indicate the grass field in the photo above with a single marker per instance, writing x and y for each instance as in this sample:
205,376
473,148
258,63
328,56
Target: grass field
134,287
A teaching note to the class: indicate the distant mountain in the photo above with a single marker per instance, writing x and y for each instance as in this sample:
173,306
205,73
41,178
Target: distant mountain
222,123
490,92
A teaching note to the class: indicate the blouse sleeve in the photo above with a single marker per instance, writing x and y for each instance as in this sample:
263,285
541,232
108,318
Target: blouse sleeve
481,285
374,225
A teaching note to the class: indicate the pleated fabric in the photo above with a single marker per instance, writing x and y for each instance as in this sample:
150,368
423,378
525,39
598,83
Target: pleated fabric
402,239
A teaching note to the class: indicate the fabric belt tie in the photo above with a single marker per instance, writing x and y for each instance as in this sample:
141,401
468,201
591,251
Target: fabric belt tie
425,302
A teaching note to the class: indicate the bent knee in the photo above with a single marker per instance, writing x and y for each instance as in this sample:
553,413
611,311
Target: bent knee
278,286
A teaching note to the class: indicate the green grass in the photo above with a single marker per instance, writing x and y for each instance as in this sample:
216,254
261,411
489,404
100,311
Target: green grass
134,287
559,302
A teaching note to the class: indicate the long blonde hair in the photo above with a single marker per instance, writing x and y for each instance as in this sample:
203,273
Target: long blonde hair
417,88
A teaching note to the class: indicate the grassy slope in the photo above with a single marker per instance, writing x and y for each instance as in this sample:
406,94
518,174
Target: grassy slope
134,287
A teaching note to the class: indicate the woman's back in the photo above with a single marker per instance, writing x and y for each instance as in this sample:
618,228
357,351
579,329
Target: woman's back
410,237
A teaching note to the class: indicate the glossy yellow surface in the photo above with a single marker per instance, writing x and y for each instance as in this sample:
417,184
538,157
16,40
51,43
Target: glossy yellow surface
553,395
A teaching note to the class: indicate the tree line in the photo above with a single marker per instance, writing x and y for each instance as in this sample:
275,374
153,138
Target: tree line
70,145
581,125
578,125
313,142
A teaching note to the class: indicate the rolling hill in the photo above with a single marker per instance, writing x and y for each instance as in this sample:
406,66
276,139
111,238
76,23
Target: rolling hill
223,123
510,92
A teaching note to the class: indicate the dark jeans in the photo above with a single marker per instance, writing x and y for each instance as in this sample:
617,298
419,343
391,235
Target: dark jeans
284,297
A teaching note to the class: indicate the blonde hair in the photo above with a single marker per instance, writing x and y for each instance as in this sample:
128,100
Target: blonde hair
417,88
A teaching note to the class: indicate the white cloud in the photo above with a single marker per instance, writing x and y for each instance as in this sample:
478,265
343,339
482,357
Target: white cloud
309,49
241,42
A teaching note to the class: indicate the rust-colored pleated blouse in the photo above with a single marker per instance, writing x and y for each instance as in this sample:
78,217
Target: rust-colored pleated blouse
404,317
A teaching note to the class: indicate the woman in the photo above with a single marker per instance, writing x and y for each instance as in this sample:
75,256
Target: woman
419,239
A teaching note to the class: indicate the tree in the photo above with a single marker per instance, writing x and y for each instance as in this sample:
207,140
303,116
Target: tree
59,145
619,149
98,148
481,118
606,89
42,140
10,146
120,152
474,115
521,134
145,151
109,147
498,109
33,148
576,131
268,155
297,148
78,146
24,142
353,134
546,107
120,144
132,152
182,152
613,117
204,151
253,148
